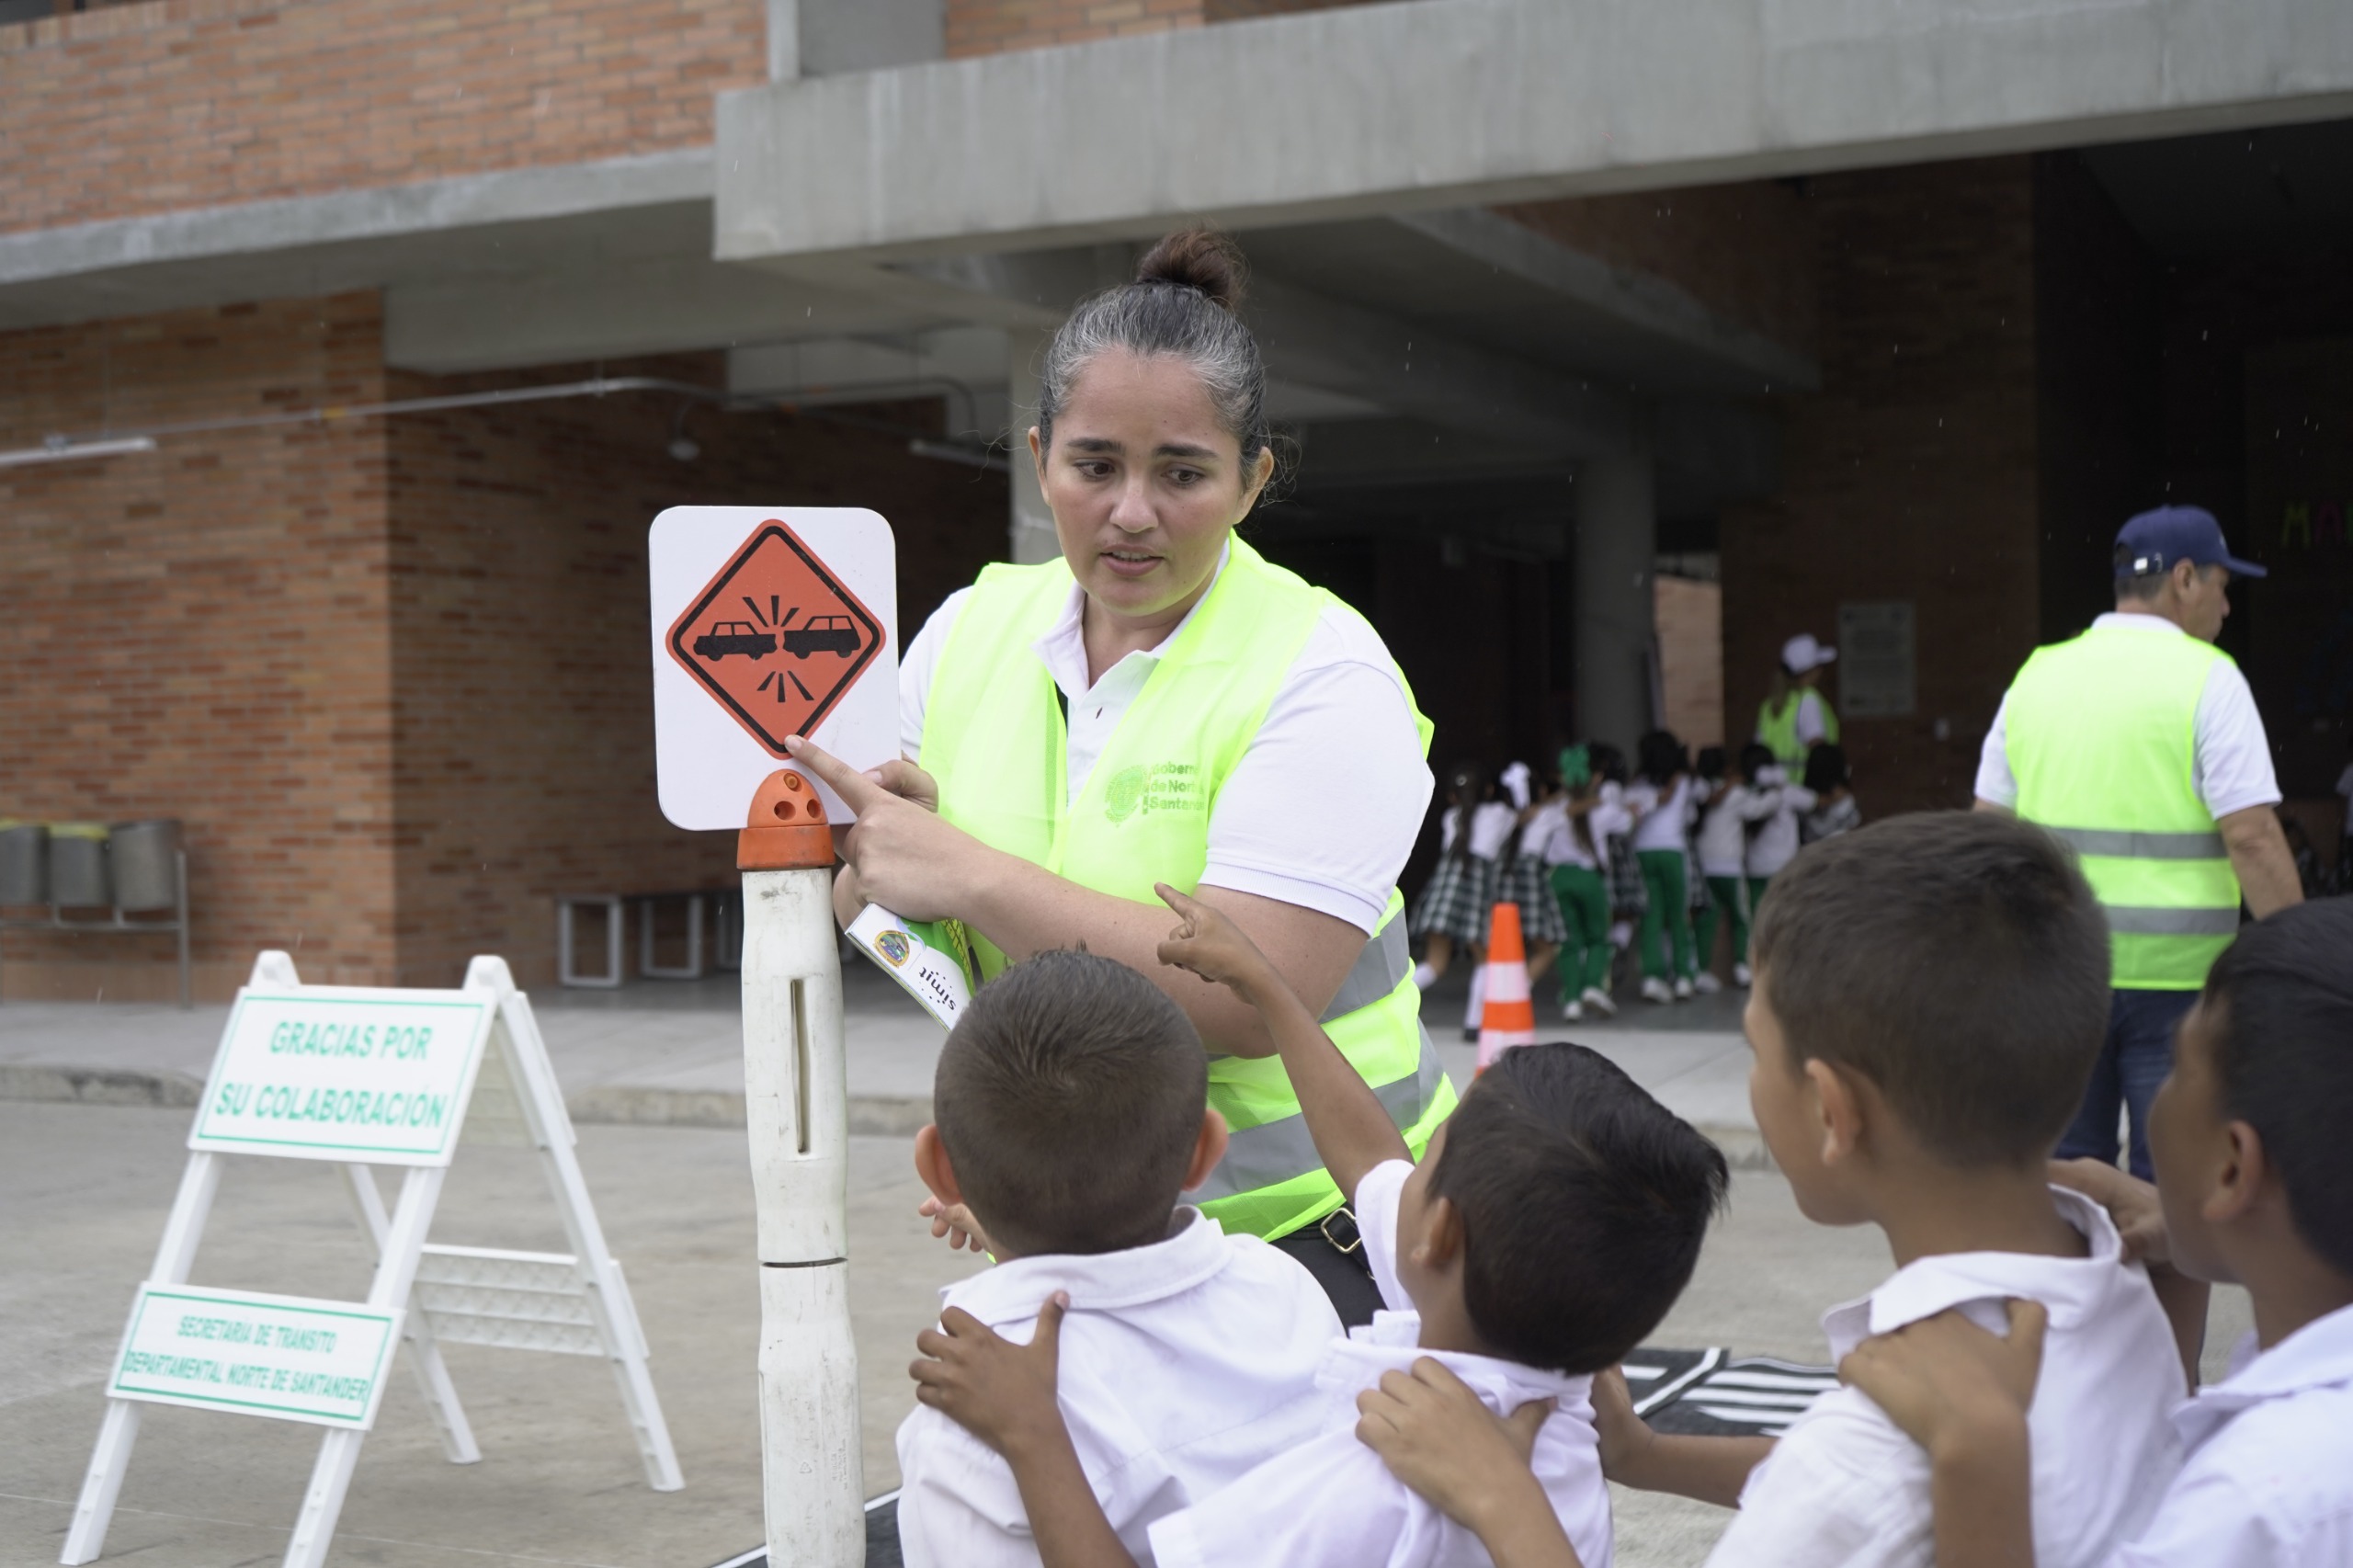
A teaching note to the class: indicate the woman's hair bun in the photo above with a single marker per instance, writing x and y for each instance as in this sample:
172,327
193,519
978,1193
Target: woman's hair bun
1198,258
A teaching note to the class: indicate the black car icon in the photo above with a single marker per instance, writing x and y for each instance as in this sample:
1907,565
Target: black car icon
735,637
821,633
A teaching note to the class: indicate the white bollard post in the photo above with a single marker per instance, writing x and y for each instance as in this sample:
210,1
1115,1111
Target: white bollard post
796,1107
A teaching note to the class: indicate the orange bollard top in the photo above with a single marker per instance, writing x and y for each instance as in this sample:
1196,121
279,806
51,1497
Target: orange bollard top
786,829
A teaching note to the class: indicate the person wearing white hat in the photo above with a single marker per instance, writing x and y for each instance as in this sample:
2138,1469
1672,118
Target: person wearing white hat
1796,717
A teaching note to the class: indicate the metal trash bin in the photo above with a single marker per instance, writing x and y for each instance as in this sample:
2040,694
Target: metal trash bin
77,866
24,863
145,857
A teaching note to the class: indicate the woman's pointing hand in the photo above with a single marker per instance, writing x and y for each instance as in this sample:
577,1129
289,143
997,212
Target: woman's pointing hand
899,852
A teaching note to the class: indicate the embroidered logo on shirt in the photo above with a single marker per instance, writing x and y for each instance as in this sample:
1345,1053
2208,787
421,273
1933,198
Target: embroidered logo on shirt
1148,788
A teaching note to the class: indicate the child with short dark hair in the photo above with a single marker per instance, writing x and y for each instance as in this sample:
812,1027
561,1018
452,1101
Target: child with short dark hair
1662,801
1069,1105
1928,1001
1728,818
2255,1186
1834,809
1930,993
1549,1227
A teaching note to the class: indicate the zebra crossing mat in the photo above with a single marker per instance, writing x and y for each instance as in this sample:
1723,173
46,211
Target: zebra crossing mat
1711,1393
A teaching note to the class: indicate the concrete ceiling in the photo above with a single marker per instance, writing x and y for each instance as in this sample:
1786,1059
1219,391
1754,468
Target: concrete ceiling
2268,189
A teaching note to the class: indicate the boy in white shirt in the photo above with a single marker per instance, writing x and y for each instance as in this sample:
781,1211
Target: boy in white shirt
1733,808
1930,993
1551,1223
2255,1185
1069,1104
1774,842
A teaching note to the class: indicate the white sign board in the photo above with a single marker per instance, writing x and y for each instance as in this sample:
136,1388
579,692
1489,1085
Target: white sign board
334,1073
768,622
1878,662
284,1356
361,1078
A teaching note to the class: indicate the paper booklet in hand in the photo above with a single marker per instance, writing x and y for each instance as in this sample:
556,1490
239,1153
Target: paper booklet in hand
931,958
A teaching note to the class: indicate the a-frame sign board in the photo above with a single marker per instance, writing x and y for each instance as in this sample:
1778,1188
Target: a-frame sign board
362,1077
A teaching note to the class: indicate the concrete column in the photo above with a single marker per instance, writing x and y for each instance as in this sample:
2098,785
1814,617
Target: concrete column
784,39
1031,531
1617,550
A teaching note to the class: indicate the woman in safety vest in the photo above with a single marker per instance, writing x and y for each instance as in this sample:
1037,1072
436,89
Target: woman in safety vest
1159,704
1796,717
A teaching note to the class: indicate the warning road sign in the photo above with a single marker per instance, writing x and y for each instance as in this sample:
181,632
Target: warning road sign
767,624
776,599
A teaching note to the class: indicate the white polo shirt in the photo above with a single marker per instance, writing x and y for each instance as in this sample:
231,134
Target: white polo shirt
2268,1481
1323,809
1183,1365
2232,766
1331,1503
1844,1486
1662,816
1491,824
1775,844
1723,842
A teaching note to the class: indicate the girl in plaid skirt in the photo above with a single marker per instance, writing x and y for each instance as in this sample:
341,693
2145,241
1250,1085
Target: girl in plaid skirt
1452,909
1527,880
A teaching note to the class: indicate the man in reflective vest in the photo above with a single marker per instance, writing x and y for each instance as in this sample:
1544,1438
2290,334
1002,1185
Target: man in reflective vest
2139,743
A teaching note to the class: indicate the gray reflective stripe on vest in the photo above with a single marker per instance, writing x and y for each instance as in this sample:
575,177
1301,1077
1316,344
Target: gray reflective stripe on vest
1386,960
1281,1150
2144,845
2128,920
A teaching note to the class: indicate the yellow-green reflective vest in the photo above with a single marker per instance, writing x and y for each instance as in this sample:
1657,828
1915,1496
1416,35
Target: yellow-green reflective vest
1778,732
994,738
2102,733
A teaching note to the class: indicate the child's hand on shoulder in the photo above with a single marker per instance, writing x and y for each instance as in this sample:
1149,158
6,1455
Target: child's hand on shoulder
1210,944
1433,1433
2131,1205
1001,1393
1947,1382
1625,1436
955,1222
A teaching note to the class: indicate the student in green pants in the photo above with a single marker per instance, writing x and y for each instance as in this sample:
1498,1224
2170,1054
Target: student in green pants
1727,822
1662,803
1562,835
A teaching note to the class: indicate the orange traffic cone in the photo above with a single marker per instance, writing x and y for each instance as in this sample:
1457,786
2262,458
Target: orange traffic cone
1510,1017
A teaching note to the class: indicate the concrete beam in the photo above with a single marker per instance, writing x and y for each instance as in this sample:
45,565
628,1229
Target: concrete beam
1451,103
1643,301
512,222
663,306
1321,342
1319,349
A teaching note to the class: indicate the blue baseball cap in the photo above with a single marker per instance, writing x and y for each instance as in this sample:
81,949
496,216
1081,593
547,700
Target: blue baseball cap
2153,541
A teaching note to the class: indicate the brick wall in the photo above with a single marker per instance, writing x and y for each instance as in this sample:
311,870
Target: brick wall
392,676
172,104
200,633
523,695
992,27
1746,250
1913,474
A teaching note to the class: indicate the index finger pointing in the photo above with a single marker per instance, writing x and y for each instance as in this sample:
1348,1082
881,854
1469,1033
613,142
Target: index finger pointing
857,791
1174,900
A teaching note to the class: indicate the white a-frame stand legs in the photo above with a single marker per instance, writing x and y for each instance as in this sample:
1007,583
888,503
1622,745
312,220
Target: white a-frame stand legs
361,1082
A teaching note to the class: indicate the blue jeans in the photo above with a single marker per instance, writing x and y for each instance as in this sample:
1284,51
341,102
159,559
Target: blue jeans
2134,1061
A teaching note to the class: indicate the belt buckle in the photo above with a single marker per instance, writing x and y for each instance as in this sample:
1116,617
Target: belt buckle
1355,1241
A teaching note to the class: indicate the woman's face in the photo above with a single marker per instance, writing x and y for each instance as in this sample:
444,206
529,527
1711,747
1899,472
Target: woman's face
1145,481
